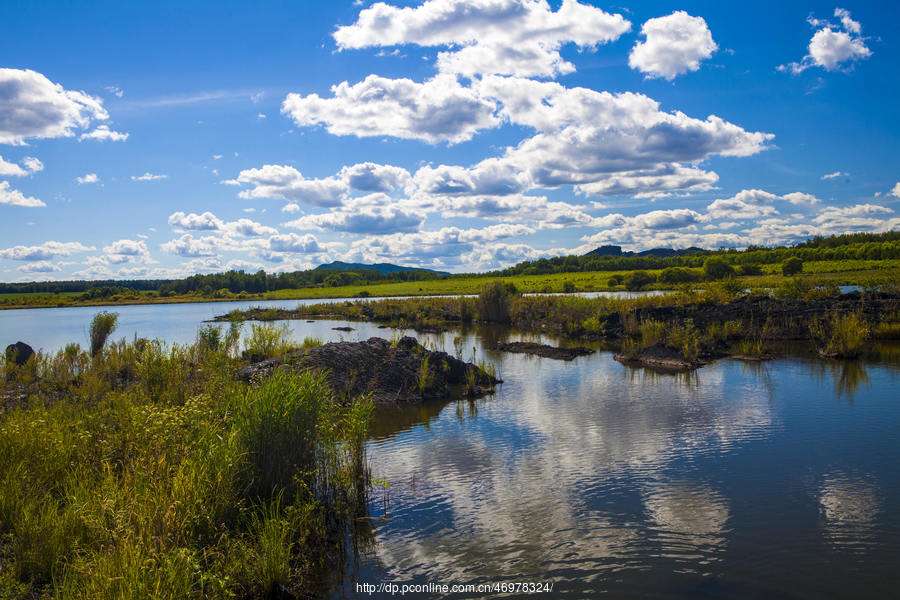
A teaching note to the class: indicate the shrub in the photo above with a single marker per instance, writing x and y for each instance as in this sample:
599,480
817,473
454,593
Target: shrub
715,268
638,279
267,340
209,337
749,270
614,281
493,301
792,266
102,325
678,275
568,287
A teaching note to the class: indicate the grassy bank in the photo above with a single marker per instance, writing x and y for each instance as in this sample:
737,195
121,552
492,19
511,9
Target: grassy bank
863,273
718,319
146,471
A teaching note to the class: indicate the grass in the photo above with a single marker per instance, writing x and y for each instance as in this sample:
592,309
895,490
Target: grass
865,273
148,471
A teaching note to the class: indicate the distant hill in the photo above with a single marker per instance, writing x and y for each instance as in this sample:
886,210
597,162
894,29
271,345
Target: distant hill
659,252
380,267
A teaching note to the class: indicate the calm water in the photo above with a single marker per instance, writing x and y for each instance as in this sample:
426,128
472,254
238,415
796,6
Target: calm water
779,480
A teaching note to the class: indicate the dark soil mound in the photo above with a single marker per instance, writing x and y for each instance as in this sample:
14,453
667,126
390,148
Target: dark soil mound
406,372
543,350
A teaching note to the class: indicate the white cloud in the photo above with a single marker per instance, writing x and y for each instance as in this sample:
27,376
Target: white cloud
187,246
675,44
115,91
248,228
44,251
657,181
833,213
372,177
896,190
375,213
87,178
521,37
194,222
29,165
294,244
32,106
148,177
103,133
287,183
526,209
291,207
835,175
16,198
753,204
125,250
41,266
438,110
830,48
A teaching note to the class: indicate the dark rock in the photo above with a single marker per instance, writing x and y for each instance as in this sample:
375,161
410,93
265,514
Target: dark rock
392,374
343,329
543,350
660,356
19,353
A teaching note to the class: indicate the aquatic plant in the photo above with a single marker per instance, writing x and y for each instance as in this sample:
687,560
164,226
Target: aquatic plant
102,325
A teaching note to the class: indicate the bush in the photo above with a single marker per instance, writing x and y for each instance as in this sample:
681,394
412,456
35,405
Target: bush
678,275
614,281
493,301
267,340
102,325
568,287
749,270
715,268
792,266
638,279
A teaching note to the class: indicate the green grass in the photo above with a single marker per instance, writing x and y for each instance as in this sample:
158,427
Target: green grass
865,273
148,471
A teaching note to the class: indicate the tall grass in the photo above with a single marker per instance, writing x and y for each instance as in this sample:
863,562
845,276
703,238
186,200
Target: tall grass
148,471
102,325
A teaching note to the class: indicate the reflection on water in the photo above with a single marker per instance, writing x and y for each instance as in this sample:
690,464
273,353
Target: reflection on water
847,375
632,483
850,507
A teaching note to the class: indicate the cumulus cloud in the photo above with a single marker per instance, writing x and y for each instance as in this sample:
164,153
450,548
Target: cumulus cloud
104,134
32,106
41,266
87,178
125,250
189,247
372,177
194,222
45,251
375,213
148,177
287,183
754,203
29,165
527,209
438,110
16,198
674,45
520,37
833,47
896,190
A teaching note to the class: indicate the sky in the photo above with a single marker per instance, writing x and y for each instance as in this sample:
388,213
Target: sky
162,139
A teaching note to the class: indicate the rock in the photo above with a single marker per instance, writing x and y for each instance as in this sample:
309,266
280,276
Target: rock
543,350
660,356
392,374
343,329
19,353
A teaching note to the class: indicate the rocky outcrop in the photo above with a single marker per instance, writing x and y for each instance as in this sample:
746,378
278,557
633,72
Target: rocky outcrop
543,350
660,356
19,353
392,373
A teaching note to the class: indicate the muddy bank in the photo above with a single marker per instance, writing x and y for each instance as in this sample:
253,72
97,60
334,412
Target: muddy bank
392,374
660,356
543,350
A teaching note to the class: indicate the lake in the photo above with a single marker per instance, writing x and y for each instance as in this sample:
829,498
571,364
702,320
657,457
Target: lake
776,480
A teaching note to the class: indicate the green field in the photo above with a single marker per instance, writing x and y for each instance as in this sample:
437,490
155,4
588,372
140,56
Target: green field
865,273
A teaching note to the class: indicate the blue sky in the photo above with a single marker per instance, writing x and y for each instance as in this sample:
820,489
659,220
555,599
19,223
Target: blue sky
156,140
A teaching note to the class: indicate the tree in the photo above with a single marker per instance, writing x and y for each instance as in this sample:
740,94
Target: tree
792,266
638,279
715,267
